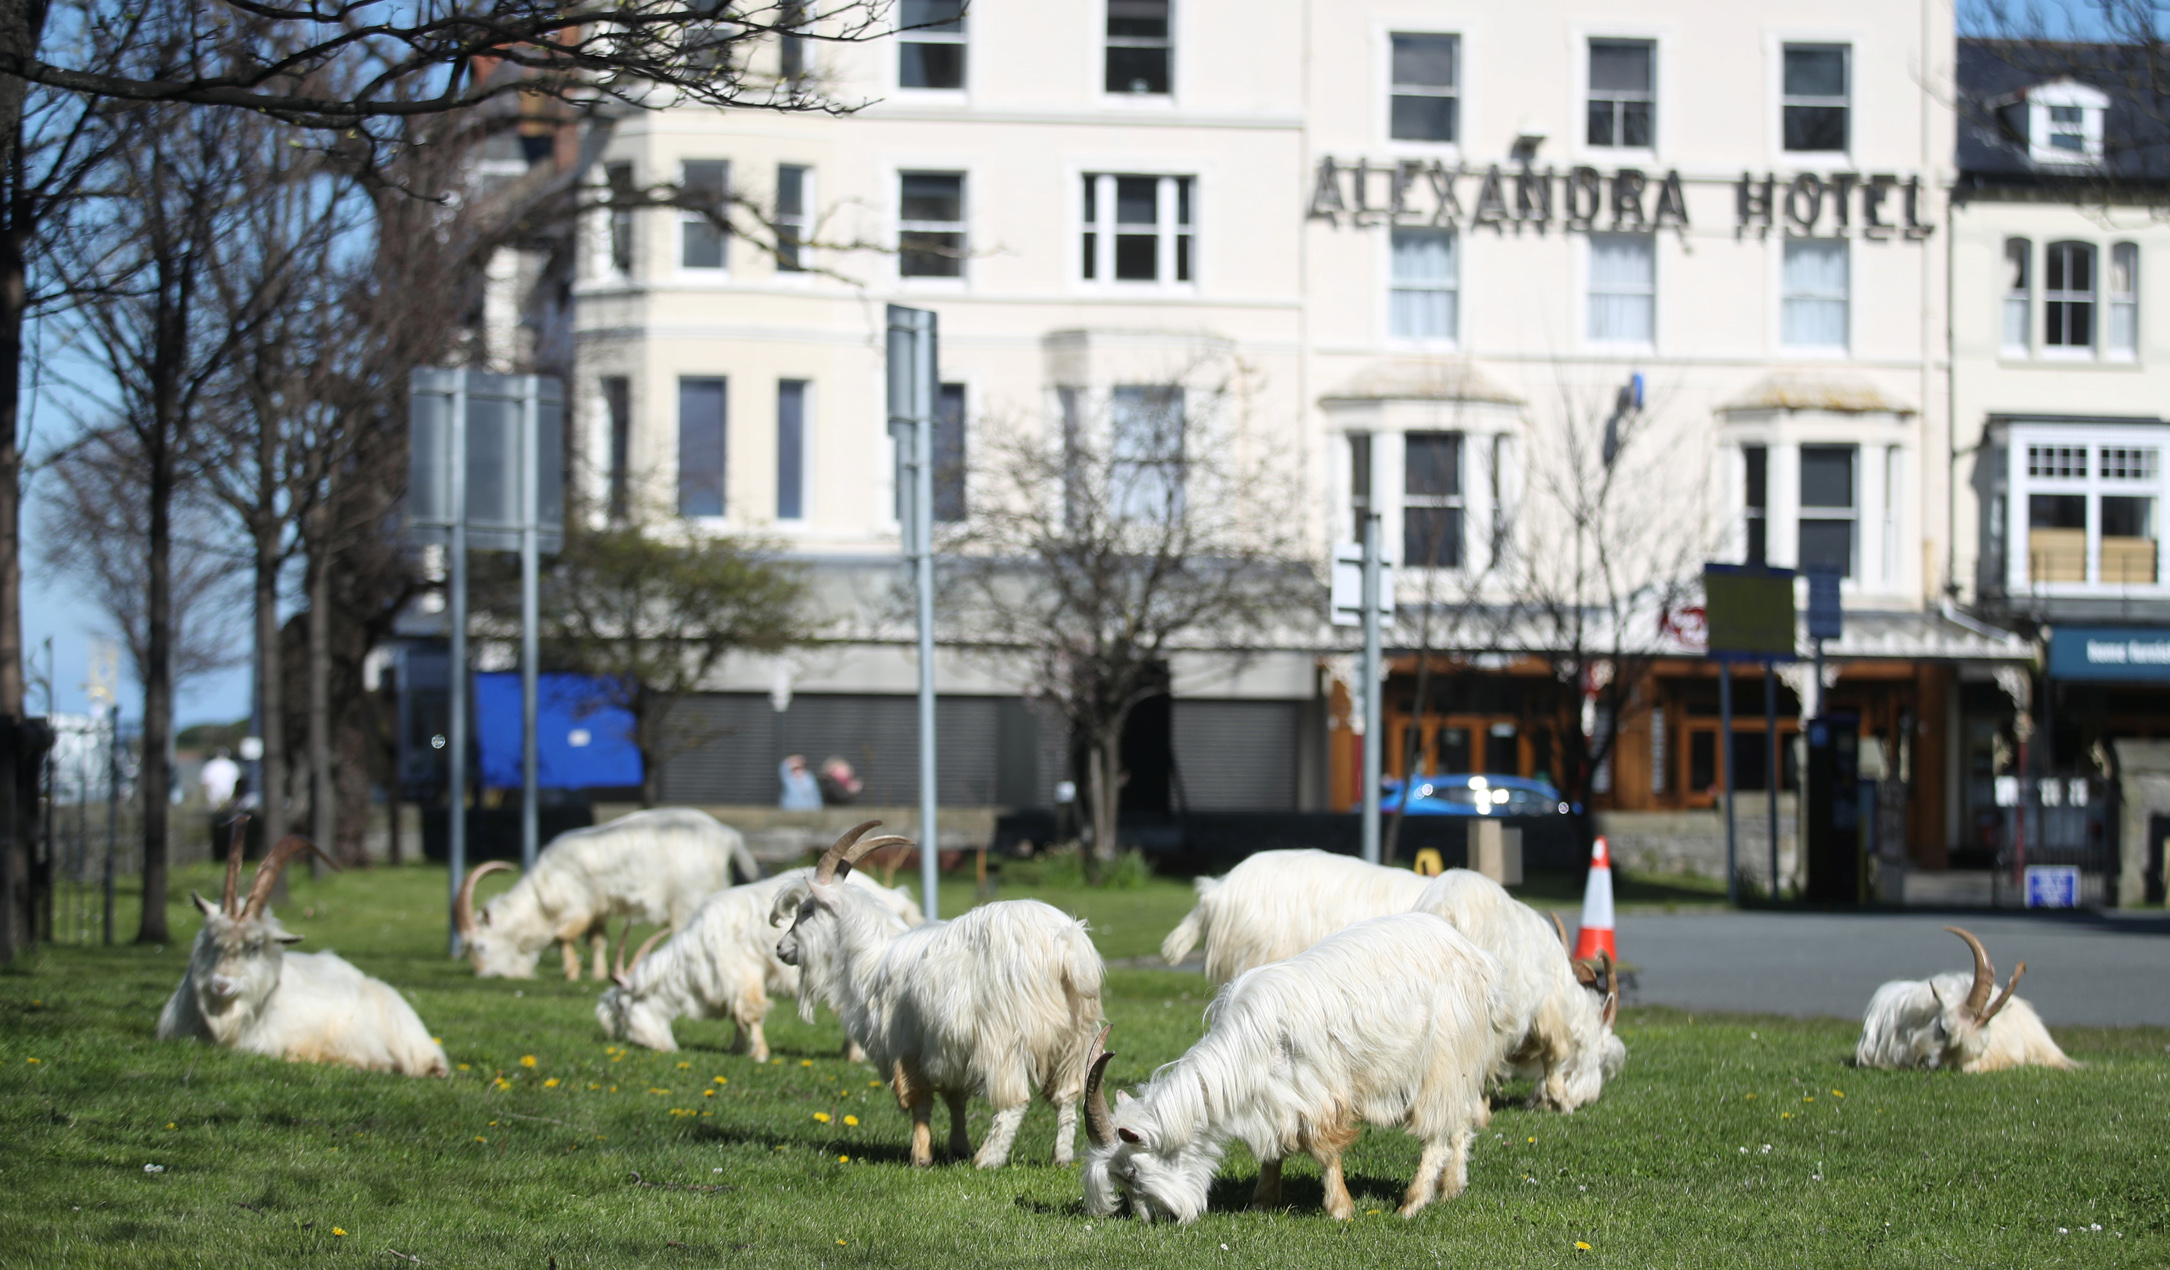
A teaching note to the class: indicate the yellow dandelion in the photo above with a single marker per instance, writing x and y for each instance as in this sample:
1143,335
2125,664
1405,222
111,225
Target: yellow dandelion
1581,1246
723,1080
776,1062
873,1084
1785,1115
850,1120
613,1089
172,1125
340,1233
593,1085
1838,1093
1533,1142
806,1062
32,1060
839,1243
610,1049
618,1058
1371,1212
843,1159
822,1116
1808,1097
527,1060
1750,1095
438,1039
708,1093
551,1083
653,1090
463,1066
481,1139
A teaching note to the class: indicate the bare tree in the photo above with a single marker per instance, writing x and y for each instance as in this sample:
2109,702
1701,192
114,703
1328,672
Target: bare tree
1148,522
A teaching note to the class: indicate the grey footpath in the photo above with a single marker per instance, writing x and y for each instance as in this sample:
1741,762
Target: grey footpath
2087,969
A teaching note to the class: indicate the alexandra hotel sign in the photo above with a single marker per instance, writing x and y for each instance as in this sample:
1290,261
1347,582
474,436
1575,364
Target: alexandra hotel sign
1428,192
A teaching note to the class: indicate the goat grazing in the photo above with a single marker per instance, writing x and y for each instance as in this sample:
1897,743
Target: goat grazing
650,866
244,991
721,965
1396,1020
1000,1001
1278,903
1562,1029
1948,1020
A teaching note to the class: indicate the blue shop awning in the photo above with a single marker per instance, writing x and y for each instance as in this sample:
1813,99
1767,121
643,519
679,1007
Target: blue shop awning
582,741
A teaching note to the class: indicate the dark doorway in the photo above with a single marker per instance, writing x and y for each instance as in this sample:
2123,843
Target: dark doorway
1148,753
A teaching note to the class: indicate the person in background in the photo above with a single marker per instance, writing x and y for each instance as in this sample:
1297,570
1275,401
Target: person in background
801,791
839,784
220,777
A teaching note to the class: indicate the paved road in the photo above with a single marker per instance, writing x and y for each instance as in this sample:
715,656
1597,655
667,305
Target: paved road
2083,969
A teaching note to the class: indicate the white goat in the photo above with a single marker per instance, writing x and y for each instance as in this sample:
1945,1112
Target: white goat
1562,1030
721,965
1396,1020
1948,1021
650,866
1278,903
999,1002
244,991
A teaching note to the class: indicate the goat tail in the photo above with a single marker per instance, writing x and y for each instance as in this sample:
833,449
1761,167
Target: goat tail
1192,928
1083,974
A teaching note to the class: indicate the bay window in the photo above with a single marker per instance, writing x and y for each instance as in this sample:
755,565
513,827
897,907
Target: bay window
1432,500
1829,507
2089,501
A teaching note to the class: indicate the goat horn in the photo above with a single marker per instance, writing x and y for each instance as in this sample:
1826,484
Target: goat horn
1566,945
267,873
2006,996
231,905
861,850
1612,986
641,951
825,868
1099,1122
463,904
1985,978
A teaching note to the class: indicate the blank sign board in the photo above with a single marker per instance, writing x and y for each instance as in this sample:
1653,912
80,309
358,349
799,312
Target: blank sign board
1749,611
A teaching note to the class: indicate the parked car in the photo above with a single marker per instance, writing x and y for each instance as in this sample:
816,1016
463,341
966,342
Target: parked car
1475,795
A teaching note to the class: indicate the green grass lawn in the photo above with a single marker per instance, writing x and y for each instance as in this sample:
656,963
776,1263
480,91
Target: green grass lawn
1729,1140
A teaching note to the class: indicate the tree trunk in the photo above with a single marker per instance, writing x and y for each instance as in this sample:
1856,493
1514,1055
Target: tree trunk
649,713
18,816
323,798
157,777
270,677
1106,761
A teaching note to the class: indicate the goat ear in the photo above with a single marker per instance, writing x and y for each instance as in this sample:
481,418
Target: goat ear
207,907
1122,1097
1132,1136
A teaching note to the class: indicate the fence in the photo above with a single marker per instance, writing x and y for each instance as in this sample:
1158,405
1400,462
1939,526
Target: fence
2056,820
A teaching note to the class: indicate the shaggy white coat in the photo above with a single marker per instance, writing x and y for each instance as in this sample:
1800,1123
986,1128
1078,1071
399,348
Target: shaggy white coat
1561,1038
1395,1021
1001,1002
651,866
722,965
244,991
1924,1023
1278,903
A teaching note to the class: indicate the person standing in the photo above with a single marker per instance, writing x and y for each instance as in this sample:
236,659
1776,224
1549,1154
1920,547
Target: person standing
801,791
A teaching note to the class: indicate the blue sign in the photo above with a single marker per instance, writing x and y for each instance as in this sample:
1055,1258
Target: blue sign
582,740
2130,654
1826,618
2053,886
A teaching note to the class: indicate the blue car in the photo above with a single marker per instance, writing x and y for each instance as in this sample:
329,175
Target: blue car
1471,795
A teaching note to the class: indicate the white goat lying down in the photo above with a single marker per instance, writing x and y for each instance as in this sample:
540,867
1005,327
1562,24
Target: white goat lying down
1397,1020
1000,1002
1278,903
651,866
1949,1021
1562,1029
244,991
721,965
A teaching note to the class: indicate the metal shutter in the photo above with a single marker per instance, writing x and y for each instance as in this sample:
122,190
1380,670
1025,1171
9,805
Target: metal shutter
1236,755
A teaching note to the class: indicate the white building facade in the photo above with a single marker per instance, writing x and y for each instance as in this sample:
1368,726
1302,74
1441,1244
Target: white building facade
1434,238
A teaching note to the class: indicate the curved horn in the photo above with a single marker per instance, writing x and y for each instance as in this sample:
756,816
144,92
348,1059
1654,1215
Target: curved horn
2006,995
1099,1121
1612,987
825,867
861,850
267,873
1566,945
231,905
627,968
1985,978
463,904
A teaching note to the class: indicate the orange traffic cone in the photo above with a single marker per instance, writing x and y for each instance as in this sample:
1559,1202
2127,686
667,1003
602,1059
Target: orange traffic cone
1596,933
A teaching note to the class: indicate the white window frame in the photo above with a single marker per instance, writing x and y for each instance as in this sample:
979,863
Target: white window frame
2067,94
935,166
1844,247
690,220
1586,293
2019,438
1588,93
802,221
1460,91
961,37
2017,300
1452,286
1166,229
1781,99
2123,305
1103,42
2092,297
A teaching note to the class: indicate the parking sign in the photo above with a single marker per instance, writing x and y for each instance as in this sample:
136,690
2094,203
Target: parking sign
2053,886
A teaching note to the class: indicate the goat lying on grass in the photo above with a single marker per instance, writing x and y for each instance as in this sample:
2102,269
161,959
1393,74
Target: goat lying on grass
1397,1020
1000,1002
244,991
1949,1021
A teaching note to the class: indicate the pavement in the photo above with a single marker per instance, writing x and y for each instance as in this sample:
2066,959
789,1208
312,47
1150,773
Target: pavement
2091,969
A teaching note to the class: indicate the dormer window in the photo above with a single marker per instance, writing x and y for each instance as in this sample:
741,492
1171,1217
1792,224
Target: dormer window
2060,122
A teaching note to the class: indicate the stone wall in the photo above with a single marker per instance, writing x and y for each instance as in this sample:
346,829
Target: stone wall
1693,842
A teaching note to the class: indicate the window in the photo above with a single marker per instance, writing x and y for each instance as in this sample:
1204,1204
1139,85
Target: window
930,44
790,217
1138,228
2018,296
1657,749
700,447
618,410
1138,46
790,449
1431,505
1757,516
1623,288
1815,102
930,237
791,50
947,450
2124,331
1421,303
619,176
1145,452
1425,98
1828,508
1622,93
1359,482
1813,303
2057,537
2067,129
2059,122
705,183
2068,295
2119,483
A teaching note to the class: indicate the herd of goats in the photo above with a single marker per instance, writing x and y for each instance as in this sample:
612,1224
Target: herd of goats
1353,993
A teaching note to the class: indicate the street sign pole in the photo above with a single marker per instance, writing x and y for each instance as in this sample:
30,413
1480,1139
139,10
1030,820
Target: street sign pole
1774,762
1373,725
530,581
912,373
1725,751
456,676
